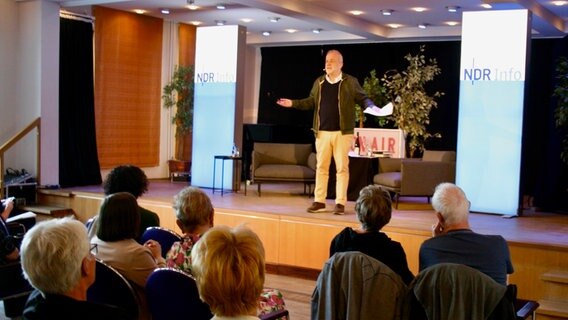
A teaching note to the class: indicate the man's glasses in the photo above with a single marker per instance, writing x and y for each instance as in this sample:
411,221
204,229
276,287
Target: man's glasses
94,248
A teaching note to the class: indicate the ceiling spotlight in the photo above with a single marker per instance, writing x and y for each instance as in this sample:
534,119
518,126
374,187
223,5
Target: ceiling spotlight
318,30
394,25
274,19
559,3
356,12
140,11
196,23
191,5
423,25
486,6
452,8
266,33
387,12
220,22
165,11
246,20
291,30
221,7
452,23
419,9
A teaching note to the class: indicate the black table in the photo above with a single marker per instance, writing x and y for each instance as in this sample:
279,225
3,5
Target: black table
361,173
236,180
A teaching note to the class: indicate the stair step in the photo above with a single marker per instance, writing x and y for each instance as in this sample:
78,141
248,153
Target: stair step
556,276
52,211
555,308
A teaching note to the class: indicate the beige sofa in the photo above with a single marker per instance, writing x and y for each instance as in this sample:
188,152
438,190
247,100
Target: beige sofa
416,177
283,162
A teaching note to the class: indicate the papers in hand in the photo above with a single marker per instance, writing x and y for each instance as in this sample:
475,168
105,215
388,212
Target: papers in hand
380,112
21,216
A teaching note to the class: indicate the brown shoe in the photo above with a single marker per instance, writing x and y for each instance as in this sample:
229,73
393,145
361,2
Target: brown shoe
317,207
339,209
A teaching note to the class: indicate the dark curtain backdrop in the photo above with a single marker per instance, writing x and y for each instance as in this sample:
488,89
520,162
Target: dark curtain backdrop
289,72
78,159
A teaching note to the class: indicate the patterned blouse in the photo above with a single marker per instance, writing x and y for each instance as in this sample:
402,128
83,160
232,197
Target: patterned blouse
179,257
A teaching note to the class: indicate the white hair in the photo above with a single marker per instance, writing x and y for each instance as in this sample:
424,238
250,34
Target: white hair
450,201
52,253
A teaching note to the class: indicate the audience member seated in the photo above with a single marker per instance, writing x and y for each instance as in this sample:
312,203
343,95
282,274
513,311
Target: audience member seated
57,262
194,216
117,228
455,242
373,209
229,268
131,179
8,248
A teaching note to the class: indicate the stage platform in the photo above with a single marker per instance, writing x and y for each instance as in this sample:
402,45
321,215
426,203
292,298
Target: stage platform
297,242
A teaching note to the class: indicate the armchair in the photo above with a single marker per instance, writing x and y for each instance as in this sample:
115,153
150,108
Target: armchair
416,177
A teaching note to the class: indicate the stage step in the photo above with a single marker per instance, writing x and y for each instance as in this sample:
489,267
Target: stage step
48,212
555,302
552,309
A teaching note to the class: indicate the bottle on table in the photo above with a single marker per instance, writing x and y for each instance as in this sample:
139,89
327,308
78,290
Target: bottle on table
357,147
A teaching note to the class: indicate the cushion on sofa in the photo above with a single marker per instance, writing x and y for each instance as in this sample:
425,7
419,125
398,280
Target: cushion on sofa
282,153
284,172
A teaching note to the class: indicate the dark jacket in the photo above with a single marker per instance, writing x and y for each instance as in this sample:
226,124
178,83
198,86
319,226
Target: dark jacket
350,93
54,306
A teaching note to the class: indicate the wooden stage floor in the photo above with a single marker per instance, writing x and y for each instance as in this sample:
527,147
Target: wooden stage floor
415,214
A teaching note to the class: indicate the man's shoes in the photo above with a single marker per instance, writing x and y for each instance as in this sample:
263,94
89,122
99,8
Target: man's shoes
339,209
317,207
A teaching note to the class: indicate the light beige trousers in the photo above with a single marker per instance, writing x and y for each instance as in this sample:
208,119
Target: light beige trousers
328,144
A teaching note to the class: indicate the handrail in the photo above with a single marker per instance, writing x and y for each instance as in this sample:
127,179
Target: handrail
15,139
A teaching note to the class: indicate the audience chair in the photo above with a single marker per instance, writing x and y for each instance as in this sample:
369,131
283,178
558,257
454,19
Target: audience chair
14,289
416,177
172,294
458,292
353,285
113,288
164,236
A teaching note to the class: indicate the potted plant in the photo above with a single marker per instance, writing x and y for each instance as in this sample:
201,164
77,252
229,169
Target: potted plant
412,104
378,94
178,94
561,111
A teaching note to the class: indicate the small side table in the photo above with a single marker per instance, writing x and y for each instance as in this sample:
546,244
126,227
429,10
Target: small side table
235,177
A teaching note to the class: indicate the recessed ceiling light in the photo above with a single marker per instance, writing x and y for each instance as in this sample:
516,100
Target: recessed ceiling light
165,11
419,9
274,19
266,33
318,30
356,12
140,11
394,25
559,3
452,8
196,23
221,6
486,6
246,20
291,30
387,12
423,25
452,23
220,22
191,5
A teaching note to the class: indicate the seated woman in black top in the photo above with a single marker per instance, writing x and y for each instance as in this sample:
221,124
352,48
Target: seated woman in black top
373,209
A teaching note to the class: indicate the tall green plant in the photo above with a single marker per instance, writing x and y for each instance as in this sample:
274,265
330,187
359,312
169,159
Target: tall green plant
561,111
377,93
178,93
412,104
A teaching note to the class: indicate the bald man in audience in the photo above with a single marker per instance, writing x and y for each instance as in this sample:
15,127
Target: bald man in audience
455,242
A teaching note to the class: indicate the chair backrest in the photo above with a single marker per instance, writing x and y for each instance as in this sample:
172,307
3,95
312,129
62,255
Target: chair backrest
13,282
442,156
164,236
456,291
172,294
283,153
112,288
353,285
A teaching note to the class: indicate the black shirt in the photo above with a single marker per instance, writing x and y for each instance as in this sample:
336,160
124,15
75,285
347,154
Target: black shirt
60,307
377,245
329,107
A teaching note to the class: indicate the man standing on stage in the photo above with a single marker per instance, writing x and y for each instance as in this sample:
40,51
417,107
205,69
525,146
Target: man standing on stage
333,98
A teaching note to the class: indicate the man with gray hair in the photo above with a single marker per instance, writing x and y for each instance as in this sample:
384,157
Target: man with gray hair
57,260
455,242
